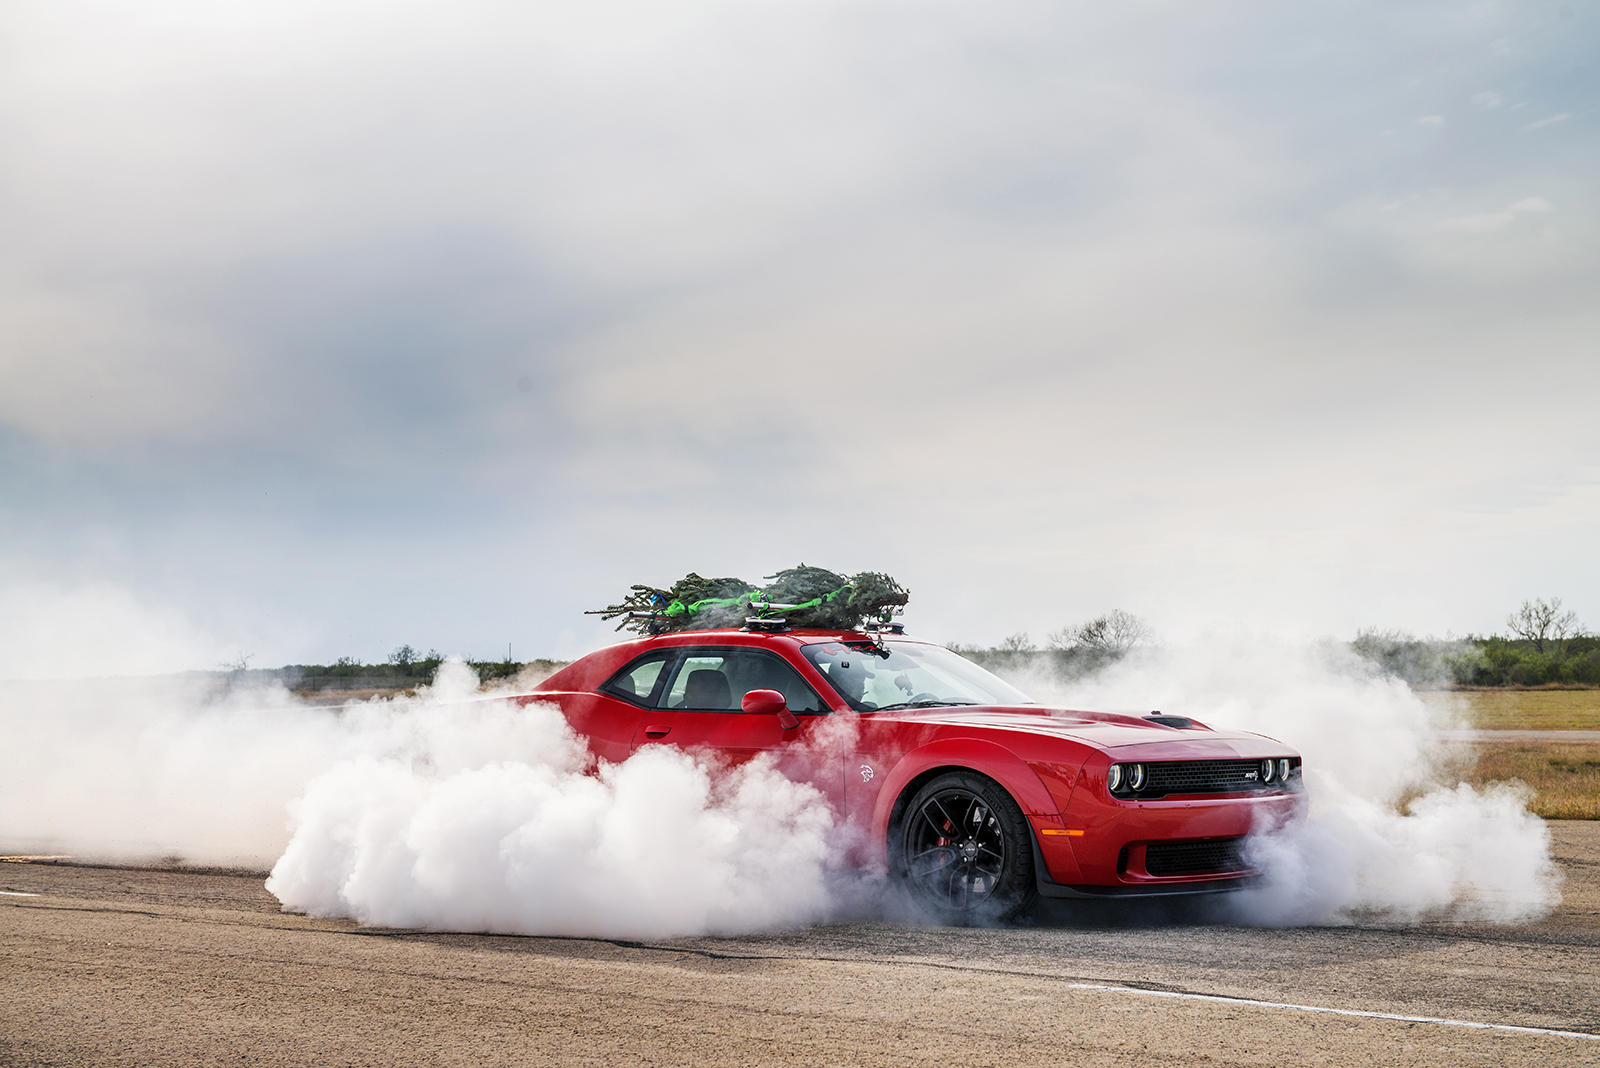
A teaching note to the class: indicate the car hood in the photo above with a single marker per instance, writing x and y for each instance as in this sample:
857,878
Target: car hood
1103,730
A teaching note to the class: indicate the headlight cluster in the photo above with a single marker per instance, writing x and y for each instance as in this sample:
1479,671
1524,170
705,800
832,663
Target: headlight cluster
1280,770
1125,777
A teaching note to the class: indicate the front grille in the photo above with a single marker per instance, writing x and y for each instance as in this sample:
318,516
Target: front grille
1203,777
1195,858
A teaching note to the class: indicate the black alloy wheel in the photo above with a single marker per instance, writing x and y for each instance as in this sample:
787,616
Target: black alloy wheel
963,850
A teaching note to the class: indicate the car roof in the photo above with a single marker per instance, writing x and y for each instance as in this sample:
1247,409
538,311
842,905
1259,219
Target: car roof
798,636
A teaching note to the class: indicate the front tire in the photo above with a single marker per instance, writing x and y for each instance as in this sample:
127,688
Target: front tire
963,852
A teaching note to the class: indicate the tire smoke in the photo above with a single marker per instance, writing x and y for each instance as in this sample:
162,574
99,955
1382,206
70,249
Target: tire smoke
175,769
1392,835
446,810
449,810
518,839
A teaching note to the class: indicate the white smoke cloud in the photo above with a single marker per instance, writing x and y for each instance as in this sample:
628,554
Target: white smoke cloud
651,847
1392,834
488,822
134,769
453,811
1458,853
53,631
446,810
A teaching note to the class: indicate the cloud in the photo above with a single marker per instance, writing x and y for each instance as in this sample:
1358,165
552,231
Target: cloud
1488,222
440,332
87,367
1551,121
1431,120
1487,101
1482,223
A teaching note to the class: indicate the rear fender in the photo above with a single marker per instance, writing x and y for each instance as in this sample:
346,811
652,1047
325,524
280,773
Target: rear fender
958,754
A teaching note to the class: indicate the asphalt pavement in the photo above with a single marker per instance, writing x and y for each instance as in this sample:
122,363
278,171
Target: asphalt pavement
114,966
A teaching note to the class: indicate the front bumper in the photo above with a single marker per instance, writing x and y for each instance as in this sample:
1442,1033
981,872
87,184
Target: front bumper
1100,850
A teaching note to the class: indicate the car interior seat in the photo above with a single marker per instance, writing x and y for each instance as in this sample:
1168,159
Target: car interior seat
707,688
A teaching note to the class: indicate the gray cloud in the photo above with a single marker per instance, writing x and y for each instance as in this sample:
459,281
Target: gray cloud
333,326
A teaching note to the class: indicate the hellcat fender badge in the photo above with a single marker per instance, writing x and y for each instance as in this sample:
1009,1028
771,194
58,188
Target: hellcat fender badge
866,773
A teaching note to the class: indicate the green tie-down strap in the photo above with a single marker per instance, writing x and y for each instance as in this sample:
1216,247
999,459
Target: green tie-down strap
804,596
756,602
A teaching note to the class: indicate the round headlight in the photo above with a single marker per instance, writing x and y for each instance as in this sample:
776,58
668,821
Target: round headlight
1136,776
1269,770
1114,777
1284,766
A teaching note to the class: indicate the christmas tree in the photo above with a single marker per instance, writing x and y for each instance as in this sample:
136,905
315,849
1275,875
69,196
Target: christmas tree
802,596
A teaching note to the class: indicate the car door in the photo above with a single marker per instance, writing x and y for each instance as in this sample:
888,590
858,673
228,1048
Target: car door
698,705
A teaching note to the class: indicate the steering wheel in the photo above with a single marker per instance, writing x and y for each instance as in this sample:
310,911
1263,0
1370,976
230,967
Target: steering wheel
925,697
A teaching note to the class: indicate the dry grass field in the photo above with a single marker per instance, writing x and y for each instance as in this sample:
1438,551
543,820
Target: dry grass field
1565,777
1529,710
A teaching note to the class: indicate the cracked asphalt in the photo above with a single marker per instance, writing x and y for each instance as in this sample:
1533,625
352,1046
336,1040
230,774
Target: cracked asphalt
114,966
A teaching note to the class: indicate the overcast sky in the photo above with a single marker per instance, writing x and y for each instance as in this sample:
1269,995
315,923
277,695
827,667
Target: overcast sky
330,326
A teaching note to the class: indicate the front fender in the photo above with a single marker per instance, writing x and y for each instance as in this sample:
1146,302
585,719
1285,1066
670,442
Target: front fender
970,754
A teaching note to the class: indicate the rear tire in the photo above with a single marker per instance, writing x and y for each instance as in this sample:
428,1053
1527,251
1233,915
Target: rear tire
962,851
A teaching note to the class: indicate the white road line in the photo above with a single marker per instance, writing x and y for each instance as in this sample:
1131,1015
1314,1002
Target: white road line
16,893
1334,1012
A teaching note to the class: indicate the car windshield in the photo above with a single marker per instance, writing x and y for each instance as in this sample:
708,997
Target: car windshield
912,675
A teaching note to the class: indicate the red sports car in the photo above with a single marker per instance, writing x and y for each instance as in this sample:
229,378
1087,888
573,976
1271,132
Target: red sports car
975,799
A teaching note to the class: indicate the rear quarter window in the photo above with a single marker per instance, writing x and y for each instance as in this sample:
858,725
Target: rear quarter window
640,682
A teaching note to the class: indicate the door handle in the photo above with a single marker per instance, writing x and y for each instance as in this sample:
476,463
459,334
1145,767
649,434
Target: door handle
656,730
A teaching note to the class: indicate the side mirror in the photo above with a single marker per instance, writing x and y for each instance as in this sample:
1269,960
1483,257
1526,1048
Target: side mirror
770,703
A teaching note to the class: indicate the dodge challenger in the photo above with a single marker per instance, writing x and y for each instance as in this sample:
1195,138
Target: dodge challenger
974,799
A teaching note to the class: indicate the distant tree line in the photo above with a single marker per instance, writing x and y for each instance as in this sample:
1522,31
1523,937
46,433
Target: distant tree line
1544,646
402,669
1070,652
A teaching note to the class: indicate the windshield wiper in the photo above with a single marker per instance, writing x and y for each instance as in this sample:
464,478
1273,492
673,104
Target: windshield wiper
923,704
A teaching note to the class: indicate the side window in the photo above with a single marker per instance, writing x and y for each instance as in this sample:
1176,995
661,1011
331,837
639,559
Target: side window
638,682
756,670
716,680
700,684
